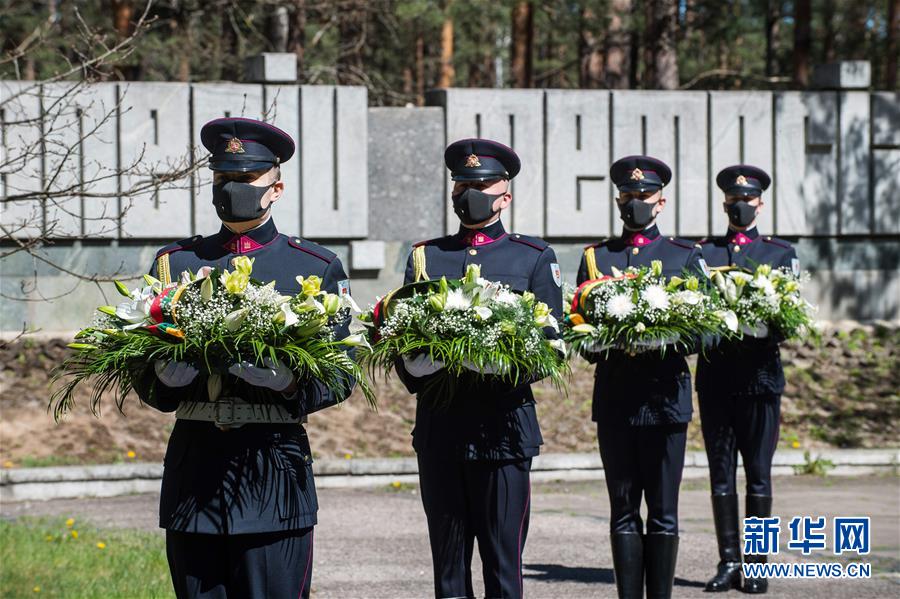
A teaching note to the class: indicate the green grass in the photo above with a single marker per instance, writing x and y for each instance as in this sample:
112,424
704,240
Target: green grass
42,558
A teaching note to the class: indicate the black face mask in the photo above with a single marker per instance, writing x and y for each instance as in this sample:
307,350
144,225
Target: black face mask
636,214
741,214
238,202
473,206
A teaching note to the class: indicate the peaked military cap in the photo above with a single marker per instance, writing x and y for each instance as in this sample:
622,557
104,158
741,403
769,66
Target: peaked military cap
481,160
743,180
640,173
243,145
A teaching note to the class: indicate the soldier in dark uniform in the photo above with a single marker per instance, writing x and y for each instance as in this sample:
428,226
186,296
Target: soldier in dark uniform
475,455
238,501
642,402
739,383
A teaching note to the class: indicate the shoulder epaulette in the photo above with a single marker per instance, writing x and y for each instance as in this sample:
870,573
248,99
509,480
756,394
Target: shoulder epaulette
426,242
179,245
535,242
688,245
312,249
779,242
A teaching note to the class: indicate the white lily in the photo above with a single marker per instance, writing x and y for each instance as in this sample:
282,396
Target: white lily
233,320
136,311
691,298
290,317
729,318
557,344
483,312
357,340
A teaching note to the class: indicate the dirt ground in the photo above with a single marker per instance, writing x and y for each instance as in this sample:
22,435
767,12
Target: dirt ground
845,392
373,543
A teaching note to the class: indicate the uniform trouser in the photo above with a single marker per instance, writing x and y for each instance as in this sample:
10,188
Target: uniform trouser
265,565
745,424
642,461
464,501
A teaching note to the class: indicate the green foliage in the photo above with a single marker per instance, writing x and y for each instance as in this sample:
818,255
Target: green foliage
476,328
393,46
42,558
816,466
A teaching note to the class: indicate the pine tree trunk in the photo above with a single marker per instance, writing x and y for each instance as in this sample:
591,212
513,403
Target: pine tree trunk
893,31
617,71
772,20
589,52
277,28
420,69
522,43
352,38
296,43
802,41
448,73
665,55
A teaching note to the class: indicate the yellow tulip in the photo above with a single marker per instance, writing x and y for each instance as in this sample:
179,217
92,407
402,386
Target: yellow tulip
243,264
235,282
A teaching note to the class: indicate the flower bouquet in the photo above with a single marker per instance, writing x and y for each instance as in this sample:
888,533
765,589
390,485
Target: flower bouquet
211,320
764,300
468,325
639,310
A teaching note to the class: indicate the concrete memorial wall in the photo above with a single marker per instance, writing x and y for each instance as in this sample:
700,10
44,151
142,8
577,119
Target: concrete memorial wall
369,181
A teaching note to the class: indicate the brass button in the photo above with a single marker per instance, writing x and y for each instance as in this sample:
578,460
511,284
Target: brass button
635,251
472,252
737,248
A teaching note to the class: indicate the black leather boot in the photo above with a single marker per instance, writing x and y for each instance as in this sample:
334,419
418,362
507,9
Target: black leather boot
728,572
628,563
759,506
660,555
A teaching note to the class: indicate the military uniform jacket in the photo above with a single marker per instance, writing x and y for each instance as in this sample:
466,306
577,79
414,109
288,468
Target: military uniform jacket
258,477
749,366
647,388
495,421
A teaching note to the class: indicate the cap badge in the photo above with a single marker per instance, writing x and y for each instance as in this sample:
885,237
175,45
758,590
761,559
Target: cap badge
234,146
741,180
637,175
472,161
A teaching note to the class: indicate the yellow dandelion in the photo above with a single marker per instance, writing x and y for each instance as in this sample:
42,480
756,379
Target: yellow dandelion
101,545
131,455
8,464
396,484
74,534
796,444
36,589
48,538
70,522
348,456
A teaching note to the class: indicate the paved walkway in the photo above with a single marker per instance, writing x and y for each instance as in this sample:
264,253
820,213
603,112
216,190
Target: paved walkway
373,543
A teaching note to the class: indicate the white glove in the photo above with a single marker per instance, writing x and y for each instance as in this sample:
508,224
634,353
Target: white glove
595,348
275,375
488,368
175,374
658,343
760,331
421,365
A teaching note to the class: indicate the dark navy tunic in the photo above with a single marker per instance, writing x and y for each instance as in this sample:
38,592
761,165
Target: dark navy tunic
645,389
258,477
496,421
749,366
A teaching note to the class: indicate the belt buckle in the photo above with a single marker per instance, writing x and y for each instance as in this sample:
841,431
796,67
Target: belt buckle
224,420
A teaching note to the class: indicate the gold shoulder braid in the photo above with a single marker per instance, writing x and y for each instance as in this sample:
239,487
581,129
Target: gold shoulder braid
591,261
419,264
164,273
